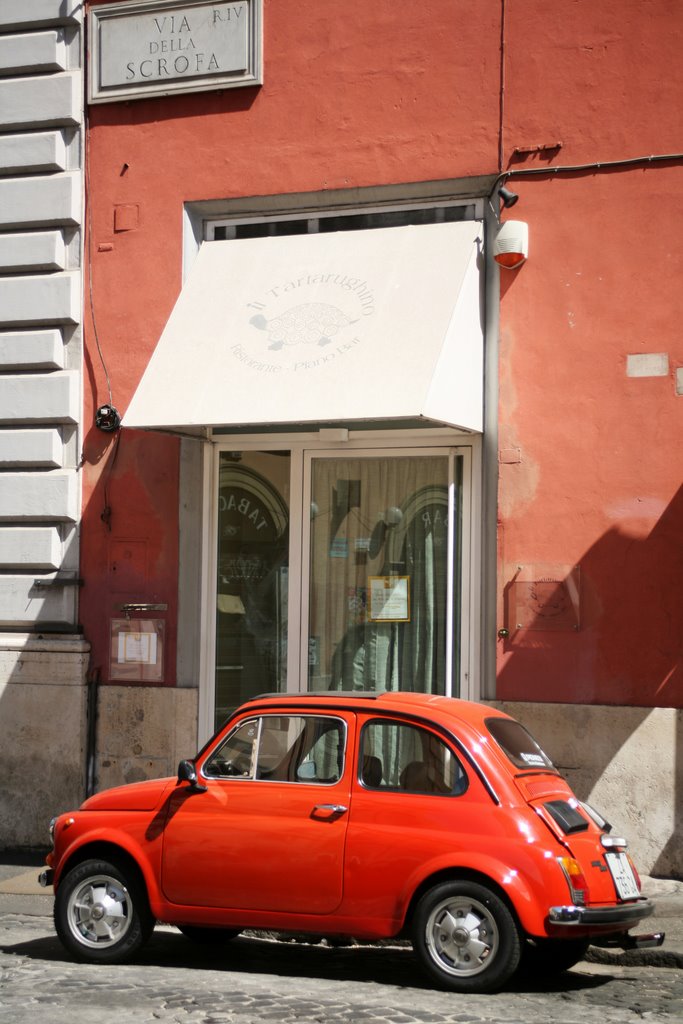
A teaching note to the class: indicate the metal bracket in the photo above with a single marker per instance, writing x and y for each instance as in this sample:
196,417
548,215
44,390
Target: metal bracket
136,607
60,581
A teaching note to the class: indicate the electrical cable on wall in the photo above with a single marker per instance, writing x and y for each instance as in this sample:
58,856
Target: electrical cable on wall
589,168
91,298
107,417
501,114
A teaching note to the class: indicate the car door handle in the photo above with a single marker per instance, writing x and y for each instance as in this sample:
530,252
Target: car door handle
328,811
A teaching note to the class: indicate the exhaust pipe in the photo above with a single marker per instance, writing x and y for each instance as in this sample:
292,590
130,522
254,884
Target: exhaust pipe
630,941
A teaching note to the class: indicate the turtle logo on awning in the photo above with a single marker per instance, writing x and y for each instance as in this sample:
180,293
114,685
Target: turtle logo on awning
311,323
328,320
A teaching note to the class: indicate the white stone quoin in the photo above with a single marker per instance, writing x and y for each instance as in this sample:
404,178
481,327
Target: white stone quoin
33,51
33,447
30,152
32,250
33,349
43,659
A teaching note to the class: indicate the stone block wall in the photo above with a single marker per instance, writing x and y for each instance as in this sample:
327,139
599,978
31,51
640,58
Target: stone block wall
41,202
43,659
43,699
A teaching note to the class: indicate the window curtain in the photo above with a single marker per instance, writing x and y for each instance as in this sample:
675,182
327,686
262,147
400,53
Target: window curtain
378,518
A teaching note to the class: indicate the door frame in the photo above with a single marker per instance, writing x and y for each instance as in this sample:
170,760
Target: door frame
340,443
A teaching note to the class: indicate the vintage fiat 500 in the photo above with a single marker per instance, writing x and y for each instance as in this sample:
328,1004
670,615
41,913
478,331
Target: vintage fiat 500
359,815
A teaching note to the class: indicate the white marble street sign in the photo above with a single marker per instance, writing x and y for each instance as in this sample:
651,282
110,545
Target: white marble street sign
157,47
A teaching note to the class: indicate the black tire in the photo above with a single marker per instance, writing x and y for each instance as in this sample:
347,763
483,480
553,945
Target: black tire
541,957
466,937
102,914
210,936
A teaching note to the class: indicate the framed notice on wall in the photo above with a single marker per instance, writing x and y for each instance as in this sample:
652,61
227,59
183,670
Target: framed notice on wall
389,598
137,650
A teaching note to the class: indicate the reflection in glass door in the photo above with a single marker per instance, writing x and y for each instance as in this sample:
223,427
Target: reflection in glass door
384,556
252,577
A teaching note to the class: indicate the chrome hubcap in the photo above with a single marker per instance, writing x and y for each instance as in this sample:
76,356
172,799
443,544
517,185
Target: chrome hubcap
99,911
462,936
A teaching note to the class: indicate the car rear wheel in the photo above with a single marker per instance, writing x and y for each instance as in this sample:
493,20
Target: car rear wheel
101,912
208,935
552,956
465,937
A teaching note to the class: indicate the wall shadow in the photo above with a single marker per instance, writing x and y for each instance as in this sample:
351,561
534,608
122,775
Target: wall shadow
609,632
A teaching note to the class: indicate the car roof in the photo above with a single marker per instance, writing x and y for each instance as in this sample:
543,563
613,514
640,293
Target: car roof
425,705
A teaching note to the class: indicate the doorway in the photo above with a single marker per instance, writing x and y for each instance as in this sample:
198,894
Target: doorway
343,568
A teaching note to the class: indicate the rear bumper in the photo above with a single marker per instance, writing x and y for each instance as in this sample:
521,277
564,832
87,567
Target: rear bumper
613,918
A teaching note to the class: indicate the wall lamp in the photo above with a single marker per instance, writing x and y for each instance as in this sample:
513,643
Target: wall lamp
511,244
108,419
507,197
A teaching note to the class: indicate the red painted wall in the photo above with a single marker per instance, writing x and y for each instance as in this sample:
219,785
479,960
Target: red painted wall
598,484
363,94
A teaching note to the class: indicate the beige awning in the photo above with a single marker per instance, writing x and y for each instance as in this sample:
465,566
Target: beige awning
381,324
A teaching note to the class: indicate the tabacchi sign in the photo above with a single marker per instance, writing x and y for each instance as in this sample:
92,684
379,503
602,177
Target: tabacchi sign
154,47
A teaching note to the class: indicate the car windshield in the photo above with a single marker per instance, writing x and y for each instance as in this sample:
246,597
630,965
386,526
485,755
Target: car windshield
518,744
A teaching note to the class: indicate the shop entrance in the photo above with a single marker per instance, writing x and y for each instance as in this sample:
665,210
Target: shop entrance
339,570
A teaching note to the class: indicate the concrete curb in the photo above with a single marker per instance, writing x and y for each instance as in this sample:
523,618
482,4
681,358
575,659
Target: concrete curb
661,957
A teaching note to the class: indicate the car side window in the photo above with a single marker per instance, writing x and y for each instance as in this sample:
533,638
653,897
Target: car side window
236,756
396,756
301,748
282,748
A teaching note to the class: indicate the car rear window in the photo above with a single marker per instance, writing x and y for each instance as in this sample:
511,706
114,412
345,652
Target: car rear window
518,744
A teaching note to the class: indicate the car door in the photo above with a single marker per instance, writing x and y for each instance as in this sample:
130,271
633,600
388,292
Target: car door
413,805
268,833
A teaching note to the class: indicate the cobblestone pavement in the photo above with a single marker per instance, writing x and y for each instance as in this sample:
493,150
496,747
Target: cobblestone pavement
255,980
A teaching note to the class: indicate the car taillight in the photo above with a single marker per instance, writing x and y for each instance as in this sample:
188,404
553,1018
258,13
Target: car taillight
578,886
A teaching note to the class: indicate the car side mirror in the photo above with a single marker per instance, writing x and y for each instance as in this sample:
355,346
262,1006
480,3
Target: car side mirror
188,773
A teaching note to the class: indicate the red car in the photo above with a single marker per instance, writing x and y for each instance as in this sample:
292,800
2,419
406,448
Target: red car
366,815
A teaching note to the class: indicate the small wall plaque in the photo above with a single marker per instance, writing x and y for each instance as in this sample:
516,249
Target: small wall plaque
159,47
545,597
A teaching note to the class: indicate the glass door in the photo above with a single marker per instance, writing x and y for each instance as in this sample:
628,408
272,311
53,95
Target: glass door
384,555
252,577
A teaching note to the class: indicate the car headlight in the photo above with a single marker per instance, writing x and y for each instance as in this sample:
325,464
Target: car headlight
51,830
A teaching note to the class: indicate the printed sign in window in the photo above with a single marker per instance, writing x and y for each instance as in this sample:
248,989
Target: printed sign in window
389,598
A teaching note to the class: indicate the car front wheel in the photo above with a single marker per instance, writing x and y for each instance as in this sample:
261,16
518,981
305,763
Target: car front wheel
465,937
101,912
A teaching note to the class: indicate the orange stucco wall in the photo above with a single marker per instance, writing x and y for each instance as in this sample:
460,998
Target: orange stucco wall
598,484
360,94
